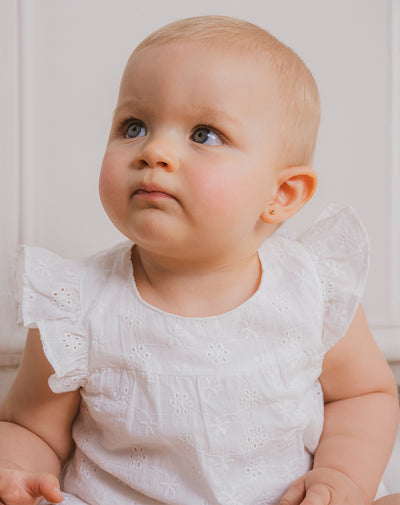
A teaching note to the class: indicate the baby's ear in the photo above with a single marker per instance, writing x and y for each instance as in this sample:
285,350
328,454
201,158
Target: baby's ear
296,185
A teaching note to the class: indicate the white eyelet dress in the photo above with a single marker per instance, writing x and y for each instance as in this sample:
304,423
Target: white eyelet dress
222,410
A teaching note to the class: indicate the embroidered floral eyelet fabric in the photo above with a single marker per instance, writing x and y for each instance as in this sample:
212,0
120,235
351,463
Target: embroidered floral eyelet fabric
202,411
48,295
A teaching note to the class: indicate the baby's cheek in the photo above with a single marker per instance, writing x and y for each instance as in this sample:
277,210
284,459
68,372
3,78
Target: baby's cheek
108,176
214,192
110,190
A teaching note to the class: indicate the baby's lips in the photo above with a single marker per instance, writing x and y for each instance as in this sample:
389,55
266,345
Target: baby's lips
152,191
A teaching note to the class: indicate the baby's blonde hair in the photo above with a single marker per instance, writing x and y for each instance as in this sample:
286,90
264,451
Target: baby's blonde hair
298,89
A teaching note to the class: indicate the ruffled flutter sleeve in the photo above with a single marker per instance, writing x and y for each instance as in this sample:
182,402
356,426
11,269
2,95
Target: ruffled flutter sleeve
339,246
48,292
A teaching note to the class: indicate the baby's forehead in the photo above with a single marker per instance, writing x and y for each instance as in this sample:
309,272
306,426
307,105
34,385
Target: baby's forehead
214,64
203,52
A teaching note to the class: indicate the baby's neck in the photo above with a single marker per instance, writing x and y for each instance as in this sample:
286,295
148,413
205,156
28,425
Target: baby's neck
196,292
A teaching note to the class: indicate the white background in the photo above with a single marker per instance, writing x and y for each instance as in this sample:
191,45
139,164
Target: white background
61,62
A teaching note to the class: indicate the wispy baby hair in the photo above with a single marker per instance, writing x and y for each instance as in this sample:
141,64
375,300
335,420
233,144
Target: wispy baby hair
298,90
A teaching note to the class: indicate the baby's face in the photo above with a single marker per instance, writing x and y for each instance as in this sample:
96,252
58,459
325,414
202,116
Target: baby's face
193,157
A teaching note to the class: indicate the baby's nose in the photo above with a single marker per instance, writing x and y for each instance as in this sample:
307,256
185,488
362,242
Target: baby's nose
157,154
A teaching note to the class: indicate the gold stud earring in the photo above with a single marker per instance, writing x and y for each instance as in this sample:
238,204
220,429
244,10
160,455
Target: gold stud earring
272,211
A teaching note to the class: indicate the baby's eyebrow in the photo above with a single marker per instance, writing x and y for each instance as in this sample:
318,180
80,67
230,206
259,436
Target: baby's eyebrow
214,113
127,104
206,112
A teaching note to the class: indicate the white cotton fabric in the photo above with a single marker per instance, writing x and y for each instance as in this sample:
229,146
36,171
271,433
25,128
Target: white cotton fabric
202,411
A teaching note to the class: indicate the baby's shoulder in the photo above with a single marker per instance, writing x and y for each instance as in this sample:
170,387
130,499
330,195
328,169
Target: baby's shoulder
103,270
40,277
336,236
104,262
330,259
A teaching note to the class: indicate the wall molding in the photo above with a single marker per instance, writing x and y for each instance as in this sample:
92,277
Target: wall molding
26,114
9,167
10,360
388,339
395,168
387,334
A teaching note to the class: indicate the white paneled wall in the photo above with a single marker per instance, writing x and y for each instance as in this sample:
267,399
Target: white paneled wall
61,63
10,162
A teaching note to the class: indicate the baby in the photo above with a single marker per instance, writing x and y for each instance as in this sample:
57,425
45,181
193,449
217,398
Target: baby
211,359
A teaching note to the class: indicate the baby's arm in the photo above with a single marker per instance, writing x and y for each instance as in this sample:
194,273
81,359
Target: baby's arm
361,420
35,431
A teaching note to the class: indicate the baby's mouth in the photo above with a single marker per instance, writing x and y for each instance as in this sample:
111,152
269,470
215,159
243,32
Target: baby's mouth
152,192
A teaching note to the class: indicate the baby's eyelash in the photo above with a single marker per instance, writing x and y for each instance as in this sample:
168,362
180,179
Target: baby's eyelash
214,129
123,125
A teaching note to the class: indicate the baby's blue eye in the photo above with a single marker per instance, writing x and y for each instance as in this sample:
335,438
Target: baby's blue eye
135,129
204,135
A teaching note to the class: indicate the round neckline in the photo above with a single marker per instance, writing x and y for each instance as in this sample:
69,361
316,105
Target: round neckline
229,313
